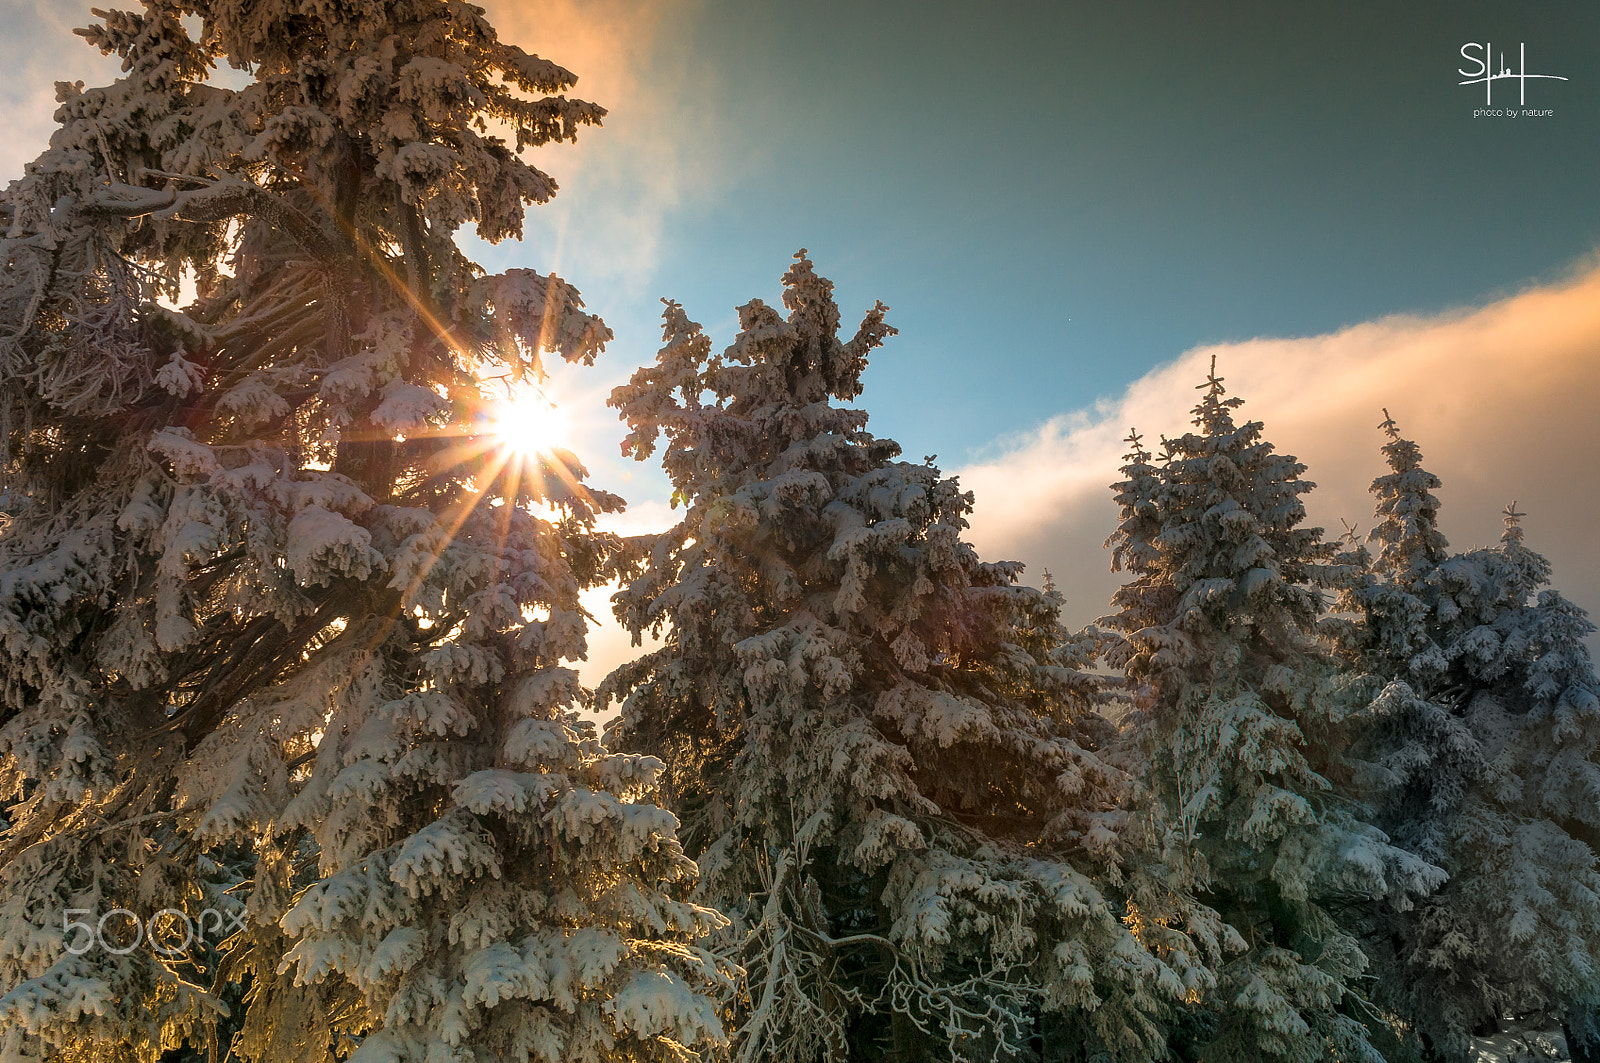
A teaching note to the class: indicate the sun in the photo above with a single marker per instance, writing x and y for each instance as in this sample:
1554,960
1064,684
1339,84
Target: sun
531,425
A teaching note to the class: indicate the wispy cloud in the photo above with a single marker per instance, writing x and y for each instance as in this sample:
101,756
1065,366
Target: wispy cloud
656,151
37,50
1501,397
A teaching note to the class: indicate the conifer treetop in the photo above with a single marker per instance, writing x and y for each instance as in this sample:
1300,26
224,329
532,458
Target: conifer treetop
1513,523
1239,718
1486,725
1407,530
883,749
1214,414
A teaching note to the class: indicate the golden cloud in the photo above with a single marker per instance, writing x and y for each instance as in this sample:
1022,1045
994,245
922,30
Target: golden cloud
1501,398
658,144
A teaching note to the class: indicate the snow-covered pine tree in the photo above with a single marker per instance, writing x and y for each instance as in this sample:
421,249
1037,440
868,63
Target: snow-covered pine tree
1424,753
1238,717
1418,755
1487,730
882,750
271,597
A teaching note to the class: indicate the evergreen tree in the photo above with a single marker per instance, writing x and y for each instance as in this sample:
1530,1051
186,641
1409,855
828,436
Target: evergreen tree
882,749
1487,729
272,601
1239,718
1424,753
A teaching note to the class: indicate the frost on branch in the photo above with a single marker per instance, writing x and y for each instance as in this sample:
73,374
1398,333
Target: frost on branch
538,313
1240,726
883,751
280,635
1484,732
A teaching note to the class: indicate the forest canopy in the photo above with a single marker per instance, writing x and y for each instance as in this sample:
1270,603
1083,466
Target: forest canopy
296,765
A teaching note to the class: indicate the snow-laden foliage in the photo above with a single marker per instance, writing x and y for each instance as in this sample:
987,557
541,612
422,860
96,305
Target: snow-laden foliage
1424,753
1238,721
269,597
1485,728
882,749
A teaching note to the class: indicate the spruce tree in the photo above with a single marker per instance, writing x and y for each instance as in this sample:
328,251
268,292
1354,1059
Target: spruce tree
1487,730
882,749
1424,753
1238,717
277,615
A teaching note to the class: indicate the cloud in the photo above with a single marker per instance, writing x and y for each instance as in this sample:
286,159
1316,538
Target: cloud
657,149
609,644
1501,397
37,50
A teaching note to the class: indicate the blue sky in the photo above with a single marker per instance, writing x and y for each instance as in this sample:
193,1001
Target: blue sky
1068,206
1054,199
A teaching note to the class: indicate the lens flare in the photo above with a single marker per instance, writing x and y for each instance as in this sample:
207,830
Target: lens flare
531,426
